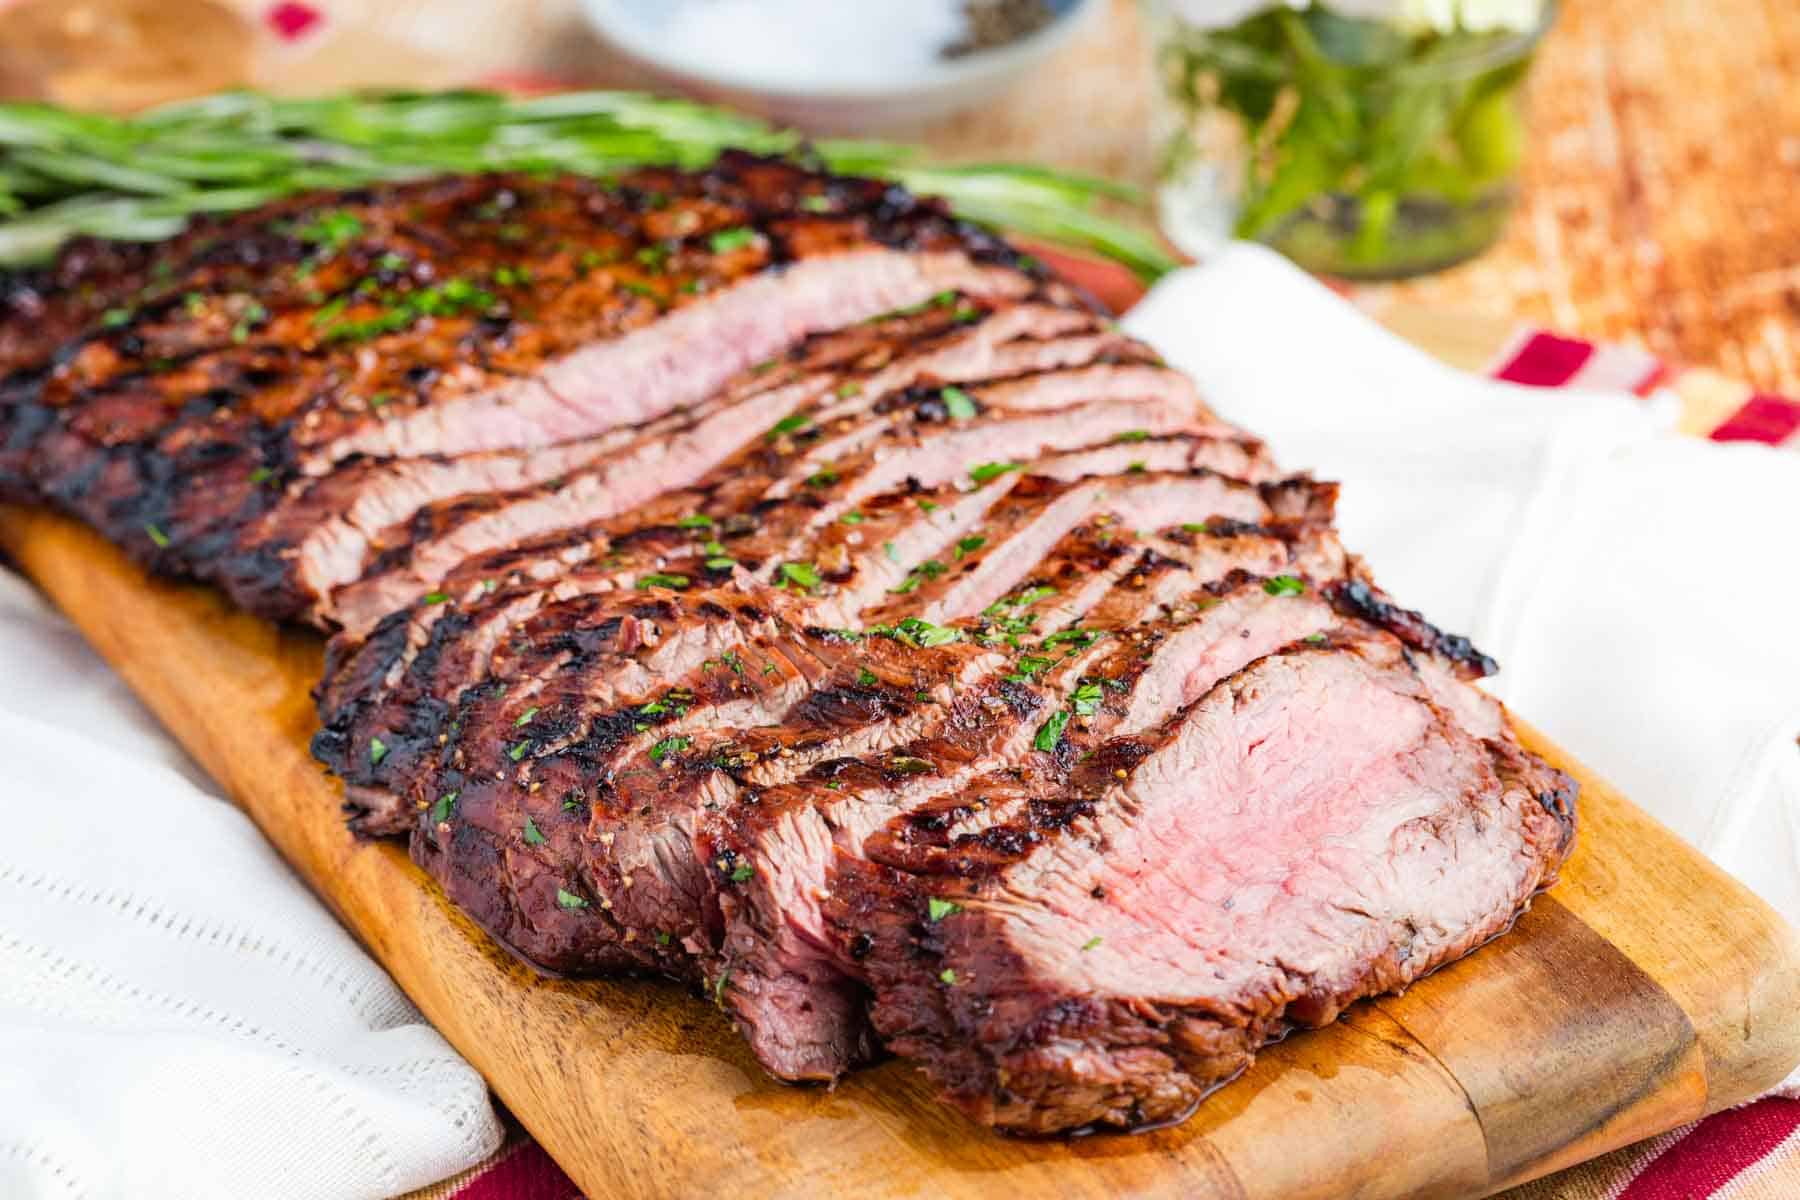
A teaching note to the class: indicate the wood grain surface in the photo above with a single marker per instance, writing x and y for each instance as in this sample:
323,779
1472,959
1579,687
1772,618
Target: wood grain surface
1646,990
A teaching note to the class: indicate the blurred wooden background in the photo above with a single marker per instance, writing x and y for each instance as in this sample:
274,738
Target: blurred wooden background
1662,199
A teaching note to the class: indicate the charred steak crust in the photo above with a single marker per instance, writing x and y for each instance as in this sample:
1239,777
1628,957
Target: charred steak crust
761,578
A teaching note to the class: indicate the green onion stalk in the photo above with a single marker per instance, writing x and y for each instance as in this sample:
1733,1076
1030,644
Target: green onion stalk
140,178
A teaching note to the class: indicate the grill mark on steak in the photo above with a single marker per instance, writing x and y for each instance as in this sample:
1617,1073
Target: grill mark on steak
246,364
680,359
1227,960
990,740
660,460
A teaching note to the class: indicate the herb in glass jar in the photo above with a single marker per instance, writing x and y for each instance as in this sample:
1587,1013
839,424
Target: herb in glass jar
1365,138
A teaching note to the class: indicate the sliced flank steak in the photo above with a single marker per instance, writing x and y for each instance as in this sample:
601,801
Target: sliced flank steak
760,578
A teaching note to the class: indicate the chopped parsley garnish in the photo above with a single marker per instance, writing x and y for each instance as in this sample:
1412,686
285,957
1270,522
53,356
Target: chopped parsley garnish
331,231
512,276
847,390
518,751
970,545
1024,599
253,315
525,717
1134,435
727,240
668,746
1194,527
446,803
730,659
112,318
662,937
1136,468
937,909
696,521
958,404
852,518
663,579
820,479
720,562
1284,585
1086,700
377,751
866,677
435,597
567,899
816,204
1315,639
929,569
1049,734
1081,638
652,256
654,708
1092,942
893,555
157,536
802,575
928,506
533,835
948,975
742,873
907,764
987,471
1028,666
787,425
919,633
454,297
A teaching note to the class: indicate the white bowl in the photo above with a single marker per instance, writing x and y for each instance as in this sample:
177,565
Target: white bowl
631,27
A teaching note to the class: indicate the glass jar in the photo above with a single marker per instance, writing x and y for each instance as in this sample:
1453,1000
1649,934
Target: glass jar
1358,146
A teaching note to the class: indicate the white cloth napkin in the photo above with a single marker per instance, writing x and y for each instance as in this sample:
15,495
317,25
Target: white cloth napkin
179,1017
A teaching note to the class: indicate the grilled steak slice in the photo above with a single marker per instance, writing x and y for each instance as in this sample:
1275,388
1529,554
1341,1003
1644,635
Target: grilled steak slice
762,579
1167,901
484,314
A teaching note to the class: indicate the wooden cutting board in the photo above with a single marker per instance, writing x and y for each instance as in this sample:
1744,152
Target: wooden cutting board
1644,991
